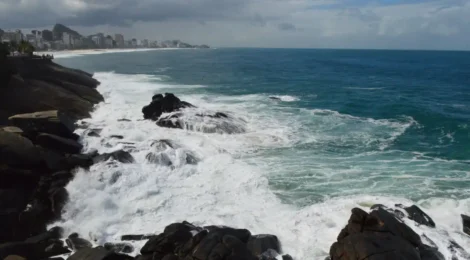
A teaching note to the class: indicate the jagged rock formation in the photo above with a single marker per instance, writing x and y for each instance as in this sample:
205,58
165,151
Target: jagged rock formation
30,84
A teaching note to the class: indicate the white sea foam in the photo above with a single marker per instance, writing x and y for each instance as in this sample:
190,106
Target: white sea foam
76,53
286,98
225,187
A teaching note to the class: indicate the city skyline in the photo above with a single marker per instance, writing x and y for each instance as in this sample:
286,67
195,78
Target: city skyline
62,37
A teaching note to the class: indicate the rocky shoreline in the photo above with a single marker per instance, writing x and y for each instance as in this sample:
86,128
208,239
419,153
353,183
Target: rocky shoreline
40,103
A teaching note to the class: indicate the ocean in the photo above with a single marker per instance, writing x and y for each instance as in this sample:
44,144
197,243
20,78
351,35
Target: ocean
323,131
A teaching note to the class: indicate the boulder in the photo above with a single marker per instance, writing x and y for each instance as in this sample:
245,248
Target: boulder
15,199
52,234
466,224
261,243
171,121
120,137
76,243
136,237
30,250
98,253
119,247
163,104
160,159
378,235
416,214
18,151
11,177
12,129
59,144
120,156
51,122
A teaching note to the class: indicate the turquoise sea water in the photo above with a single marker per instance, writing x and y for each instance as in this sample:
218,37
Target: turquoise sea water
366,125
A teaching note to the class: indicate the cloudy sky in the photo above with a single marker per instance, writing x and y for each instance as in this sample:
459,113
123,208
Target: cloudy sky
395,24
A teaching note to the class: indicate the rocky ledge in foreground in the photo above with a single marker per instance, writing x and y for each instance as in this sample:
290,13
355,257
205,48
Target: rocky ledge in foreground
382,234
169,111
31,84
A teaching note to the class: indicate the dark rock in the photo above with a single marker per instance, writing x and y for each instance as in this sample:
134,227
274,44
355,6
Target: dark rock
242,234
58,143
29,250
136,237
119,247
216,115
117,136
288,257
76,243
160,158
162,144
274,98
261,243
115,177
14,199
171,121
120,156
94,132
12,129
466,224
416,214
124,120
53,233
163,104
51,122
16,150
378,235
56,248
170,257
430,253
98,253
191,159
456,249
11,177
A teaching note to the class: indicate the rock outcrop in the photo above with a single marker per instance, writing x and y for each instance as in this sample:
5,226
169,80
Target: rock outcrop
163,104
30,84
381,234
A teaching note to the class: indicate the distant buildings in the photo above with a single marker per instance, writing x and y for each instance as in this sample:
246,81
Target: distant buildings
62,37
119,39
99,40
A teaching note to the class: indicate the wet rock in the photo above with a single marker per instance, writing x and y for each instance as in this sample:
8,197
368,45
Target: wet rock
163,104
160,159
274,98
288,257
124,120
457,250
56,248
119,247
12,129
163,144
59,144
15,178
94,132
18,151
429,253
98,253
416,214
466,224
378,235
216,115
171,121
136,237
51,122
120,156
259,244
52,234
120,137
115,177
76,243
29,250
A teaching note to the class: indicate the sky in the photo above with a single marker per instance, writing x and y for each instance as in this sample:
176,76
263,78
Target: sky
382,24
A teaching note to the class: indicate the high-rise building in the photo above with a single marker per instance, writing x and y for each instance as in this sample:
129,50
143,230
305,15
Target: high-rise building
10,36
145,43
119,38
108,42
67,39
98,40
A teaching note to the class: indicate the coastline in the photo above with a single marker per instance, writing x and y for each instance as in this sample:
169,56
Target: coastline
75,53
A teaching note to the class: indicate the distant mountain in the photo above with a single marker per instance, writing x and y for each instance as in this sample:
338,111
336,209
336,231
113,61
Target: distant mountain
59,29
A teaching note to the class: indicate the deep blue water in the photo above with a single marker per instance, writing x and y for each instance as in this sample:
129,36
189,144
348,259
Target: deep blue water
399,120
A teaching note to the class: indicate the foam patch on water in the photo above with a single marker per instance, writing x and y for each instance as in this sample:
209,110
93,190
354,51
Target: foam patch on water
78,53
285,98
230,185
